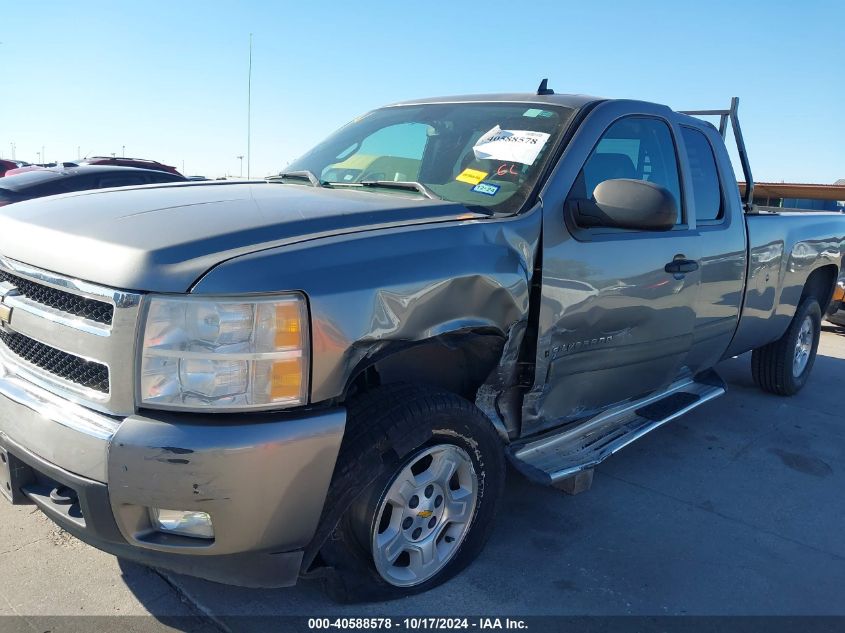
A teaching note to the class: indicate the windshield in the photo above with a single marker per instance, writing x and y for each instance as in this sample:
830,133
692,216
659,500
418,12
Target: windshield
477,154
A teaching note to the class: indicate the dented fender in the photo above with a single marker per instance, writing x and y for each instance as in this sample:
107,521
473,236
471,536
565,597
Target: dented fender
380,290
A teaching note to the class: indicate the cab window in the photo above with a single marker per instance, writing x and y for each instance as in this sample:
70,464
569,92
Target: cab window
705,178
638,148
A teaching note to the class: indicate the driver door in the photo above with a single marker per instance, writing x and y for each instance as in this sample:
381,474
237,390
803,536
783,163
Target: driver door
614,325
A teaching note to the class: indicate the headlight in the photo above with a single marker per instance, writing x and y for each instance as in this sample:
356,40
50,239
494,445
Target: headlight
225,353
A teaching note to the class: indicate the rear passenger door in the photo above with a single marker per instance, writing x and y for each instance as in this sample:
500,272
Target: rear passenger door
720,226
613,324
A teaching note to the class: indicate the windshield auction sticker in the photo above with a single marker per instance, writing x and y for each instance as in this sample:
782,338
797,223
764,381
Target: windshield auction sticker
488,189
471,176
518,146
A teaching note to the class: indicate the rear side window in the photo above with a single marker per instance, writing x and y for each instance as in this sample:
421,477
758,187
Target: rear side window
705,178
164,177
121,181
637,148
54,188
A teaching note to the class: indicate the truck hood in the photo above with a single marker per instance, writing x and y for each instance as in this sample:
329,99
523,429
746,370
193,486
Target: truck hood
163,238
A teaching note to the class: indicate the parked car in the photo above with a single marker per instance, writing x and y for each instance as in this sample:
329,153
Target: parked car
142,163
251,382
52,181
836,310
8,165
23,169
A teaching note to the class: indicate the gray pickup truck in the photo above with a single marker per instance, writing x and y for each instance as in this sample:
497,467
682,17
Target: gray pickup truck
324,374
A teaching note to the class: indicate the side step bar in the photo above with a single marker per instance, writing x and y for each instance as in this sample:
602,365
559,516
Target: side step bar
580,446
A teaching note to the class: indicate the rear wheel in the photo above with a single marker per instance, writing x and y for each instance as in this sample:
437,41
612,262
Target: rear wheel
435,470
782,367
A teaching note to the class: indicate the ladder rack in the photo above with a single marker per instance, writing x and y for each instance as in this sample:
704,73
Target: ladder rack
724,117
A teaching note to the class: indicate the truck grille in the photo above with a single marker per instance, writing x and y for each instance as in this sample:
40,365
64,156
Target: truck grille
66,366
60,300
74,338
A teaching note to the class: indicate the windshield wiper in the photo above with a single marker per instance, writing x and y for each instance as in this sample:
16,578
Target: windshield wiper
408,184
303,175
391,184
307,176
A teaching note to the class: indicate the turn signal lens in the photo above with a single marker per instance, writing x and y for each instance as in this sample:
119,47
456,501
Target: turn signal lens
286,379
288,326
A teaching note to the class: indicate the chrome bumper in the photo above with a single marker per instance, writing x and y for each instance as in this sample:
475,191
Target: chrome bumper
63,433
262,478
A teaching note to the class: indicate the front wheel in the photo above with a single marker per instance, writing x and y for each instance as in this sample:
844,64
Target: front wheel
783,366
428,510
424,515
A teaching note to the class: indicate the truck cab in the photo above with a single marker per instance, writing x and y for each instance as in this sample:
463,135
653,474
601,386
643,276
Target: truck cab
324,374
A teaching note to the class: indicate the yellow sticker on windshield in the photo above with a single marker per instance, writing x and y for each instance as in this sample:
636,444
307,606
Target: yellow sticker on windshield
471,176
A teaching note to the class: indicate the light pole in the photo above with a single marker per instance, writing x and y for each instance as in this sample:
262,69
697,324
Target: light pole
39,156
249,112
123,151
241,158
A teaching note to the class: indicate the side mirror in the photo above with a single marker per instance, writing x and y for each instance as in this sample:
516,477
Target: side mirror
625,203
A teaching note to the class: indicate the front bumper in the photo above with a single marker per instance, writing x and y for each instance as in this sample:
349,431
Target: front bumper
262,478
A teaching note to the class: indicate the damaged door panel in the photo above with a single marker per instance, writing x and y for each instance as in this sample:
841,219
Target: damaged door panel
614,323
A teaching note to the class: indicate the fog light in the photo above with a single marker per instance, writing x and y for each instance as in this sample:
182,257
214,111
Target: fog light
184,522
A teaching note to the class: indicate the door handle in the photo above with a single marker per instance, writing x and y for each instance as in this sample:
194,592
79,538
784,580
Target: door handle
681,266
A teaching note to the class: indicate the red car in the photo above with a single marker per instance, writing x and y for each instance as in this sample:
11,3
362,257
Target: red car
22,170
8,165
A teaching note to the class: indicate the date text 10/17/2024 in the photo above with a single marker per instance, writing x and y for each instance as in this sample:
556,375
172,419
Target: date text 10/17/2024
418,623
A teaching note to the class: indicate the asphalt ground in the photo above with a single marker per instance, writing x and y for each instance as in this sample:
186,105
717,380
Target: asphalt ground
734,509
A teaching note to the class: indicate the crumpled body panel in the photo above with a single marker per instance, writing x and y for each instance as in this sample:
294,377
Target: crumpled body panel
376,291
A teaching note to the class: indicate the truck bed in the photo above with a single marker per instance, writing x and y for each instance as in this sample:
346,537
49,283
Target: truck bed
784,249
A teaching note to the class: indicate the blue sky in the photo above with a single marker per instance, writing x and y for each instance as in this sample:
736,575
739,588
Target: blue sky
168,80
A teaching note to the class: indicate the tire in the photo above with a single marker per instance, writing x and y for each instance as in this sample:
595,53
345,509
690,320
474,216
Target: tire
392,431
776,367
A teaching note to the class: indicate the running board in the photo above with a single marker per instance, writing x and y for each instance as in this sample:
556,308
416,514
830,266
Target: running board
561,454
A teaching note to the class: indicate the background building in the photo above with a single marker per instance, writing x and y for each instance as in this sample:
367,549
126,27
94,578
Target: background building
799,196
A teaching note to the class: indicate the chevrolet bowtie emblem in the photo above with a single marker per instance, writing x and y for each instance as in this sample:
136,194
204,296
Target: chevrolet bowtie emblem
5,314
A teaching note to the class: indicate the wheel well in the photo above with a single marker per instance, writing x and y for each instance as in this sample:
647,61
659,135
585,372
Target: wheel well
820,284
456,362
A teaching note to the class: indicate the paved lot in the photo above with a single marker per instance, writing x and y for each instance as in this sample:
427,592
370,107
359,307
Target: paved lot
737,508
